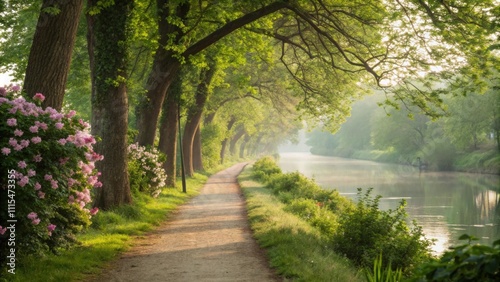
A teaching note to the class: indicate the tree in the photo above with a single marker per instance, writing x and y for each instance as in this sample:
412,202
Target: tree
50,55
108,51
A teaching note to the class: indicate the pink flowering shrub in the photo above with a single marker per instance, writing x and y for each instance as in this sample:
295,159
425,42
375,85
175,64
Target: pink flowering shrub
146,170
48,156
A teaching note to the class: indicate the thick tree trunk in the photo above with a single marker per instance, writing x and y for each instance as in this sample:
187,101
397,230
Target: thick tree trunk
107,32
194,118
169,131
50,54
234,140
164,71
197,153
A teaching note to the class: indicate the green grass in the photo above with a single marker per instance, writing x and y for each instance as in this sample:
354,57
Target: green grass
111,233
295,249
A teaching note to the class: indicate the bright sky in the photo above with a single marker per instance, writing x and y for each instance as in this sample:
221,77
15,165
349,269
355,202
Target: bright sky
5,79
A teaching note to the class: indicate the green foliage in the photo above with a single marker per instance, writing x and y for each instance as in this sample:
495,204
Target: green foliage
366,231
145,168
467,262
264,168
380,274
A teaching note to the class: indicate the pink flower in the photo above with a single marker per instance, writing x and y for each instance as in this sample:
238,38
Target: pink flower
38,186
62,141
35,221
18,132
59,125
71,182
53,184
98,184
94,211
12,122
25,143
12,142
32,215
36,140
5,151
41,125
71,114
37,158
34,129
71,199
31,173
18,147
24,180
16,88
51,227
47,177
39,97
21,164
41,195
2,230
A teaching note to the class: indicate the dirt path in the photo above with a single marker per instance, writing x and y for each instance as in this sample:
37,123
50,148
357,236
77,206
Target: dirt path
208,239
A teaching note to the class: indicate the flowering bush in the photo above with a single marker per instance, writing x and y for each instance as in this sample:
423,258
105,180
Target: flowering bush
146,169
47,174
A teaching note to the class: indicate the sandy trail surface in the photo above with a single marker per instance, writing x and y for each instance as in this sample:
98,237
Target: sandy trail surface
208,239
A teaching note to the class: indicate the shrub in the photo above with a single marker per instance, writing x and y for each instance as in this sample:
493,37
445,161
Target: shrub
146,170
467,262
365,232
265,168
47,174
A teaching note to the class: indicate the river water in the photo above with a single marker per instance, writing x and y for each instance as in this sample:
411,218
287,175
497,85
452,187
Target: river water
445,204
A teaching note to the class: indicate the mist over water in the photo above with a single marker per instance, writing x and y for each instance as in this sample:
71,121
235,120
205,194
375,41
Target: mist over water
445,204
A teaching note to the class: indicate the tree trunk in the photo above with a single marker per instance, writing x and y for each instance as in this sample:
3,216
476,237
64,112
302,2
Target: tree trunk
243,145
230,124
164,71
107,32
169,131
197,153
50,54
194,117
234,140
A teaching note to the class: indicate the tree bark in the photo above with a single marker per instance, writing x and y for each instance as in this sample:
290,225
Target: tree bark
169,131
194,117
234,140
164,71
197,151
50,54
107,32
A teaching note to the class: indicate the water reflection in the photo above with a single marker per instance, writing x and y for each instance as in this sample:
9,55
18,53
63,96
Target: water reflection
445,204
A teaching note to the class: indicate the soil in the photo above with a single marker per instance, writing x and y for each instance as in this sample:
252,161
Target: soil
207,239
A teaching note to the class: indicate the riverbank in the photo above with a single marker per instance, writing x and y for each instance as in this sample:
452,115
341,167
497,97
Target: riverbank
295,249
487,162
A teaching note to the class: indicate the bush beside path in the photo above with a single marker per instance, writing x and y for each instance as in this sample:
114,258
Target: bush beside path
208,239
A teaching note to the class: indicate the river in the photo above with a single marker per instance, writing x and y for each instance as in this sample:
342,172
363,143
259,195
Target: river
445,204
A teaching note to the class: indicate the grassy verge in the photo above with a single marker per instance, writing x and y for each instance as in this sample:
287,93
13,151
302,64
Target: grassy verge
111,233
295,248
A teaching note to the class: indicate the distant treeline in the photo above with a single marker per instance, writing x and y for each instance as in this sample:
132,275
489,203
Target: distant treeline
465,139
